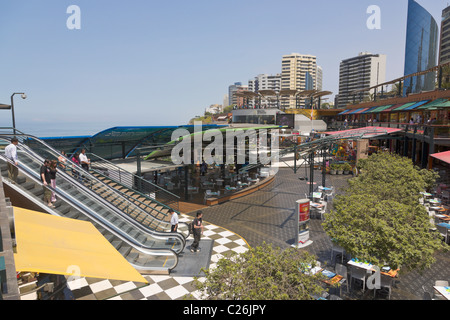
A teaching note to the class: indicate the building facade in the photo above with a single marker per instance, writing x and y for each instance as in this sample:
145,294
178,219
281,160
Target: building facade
421,49
232,90
444,47
265,82
295,69
361,72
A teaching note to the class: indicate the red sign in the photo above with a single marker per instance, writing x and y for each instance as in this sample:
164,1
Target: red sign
304,211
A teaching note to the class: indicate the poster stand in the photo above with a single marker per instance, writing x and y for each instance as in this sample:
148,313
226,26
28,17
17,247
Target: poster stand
302,210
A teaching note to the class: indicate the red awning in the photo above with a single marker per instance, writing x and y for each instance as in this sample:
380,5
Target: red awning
367,132
443,156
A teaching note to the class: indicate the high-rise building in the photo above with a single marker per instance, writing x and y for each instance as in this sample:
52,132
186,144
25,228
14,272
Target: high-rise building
295,71
444,48
361,72
265,82
421,49
232,98
319,82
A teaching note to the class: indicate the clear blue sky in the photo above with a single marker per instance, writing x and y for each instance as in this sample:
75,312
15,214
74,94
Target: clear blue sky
146,62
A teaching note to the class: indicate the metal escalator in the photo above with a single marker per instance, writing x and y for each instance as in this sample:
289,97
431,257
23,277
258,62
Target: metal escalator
146,252
124,206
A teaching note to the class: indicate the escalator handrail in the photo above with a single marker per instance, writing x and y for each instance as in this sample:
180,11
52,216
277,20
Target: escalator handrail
29,173
92,194
76,167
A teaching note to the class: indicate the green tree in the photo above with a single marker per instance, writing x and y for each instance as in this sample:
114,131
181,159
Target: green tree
262,273
380,219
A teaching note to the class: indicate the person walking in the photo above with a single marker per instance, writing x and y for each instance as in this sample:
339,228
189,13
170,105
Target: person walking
11,154
76,160
173,221
46,180
53,171
198,231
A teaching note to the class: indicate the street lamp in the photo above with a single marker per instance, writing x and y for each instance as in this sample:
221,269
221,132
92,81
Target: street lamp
24,96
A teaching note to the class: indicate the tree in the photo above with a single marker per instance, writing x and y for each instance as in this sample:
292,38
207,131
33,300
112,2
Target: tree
262,273
380,219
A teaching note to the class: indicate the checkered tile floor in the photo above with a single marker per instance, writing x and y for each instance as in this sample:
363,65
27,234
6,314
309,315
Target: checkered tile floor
160,287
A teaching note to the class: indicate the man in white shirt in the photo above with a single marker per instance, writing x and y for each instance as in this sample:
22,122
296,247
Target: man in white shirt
84,160
11,154
173,221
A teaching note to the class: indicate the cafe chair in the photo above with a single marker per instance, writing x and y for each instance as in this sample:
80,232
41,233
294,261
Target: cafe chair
443,232
385,285
335,249
358,274
342,271
441,283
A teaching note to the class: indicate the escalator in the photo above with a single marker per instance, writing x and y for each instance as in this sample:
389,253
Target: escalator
148,251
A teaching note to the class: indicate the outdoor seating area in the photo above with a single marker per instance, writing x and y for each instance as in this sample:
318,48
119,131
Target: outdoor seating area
213,182
439,214
320,202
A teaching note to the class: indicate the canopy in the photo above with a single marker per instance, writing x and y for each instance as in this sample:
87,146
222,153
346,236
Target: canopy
416,105
366,132
55,245
443,156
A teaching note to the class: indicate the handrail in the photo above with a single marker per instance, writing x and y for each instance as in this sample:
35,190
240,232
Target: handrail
29,173
73,166
103,163
82,172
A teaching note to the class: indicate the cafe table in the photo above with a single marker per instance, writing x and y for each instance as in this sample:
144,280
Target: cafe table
443,291
444,224
370,267
442,217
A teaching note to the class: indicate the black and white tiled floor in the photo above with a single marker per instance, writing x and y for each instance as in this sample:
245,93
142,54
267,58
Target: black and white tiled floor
160,287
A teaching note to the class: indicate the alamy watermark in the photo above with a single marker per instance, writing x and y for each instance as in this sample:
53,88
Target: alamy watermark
241,146
374,20
74,20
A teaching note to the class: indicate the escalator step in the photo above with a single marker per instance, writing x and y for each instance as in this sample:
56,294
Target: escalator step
132,257
125,250
117,244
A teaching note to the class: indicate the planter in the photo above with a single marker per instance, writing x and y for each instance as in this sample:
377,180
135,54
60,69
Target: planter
346,172
339,171
333,172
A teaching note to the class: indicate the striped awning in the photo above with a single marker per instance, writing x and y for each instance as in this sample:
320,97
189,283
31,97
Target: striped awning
416,105
369,110
345,112
392,108
439,103
404,106
379,109
355,111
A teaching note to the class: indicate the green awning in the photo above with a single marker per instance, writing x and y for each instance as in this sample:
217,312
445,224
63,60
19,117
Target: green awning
406,105
379,109
439,103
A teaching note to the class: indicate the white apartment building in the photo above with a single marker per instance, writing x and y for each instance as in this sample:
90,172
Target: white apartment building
363,71
297,70
265,82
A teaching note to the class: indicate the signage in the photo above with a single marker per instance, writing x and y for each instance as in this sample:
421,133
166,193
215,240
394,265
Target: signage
303,211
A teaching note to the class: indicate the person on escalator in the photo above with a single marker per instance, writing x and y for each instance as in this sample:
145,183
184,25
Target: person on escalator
173,221
46,181
11,154
198,231
53,171
85,162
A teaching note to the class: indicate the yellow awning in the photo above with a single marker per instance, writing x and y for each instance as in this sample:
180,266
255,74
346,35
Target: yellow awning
55,245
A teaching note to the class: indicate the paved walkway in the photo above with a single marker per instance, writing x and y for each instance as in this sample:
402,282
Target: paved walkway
267,215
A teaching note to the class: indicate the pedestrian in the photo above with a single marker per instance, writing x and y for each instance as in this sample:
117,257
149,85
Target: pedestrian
46,181
173,221
62,160
198,231
203,168
53,171
11,154
76,160
85,162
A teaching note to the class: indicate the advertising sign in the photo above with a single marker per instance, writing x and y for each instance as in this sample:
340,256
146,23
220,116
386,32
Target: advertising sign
303,212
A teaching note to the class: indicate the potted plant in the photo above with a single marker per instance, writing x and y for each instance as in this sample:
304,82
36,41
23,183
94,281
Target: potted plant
347,168
340,169
333,168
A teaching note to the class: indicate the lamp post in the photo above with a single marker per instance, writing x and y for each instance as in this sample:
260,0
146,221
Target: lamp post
24,96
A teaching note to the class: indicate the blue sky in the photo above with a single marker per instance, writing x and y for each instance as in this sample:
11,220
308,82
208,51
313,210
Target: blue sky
146,62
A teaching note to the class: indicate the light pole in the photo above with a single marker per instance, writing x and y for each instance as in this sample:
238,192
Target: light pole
24,96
